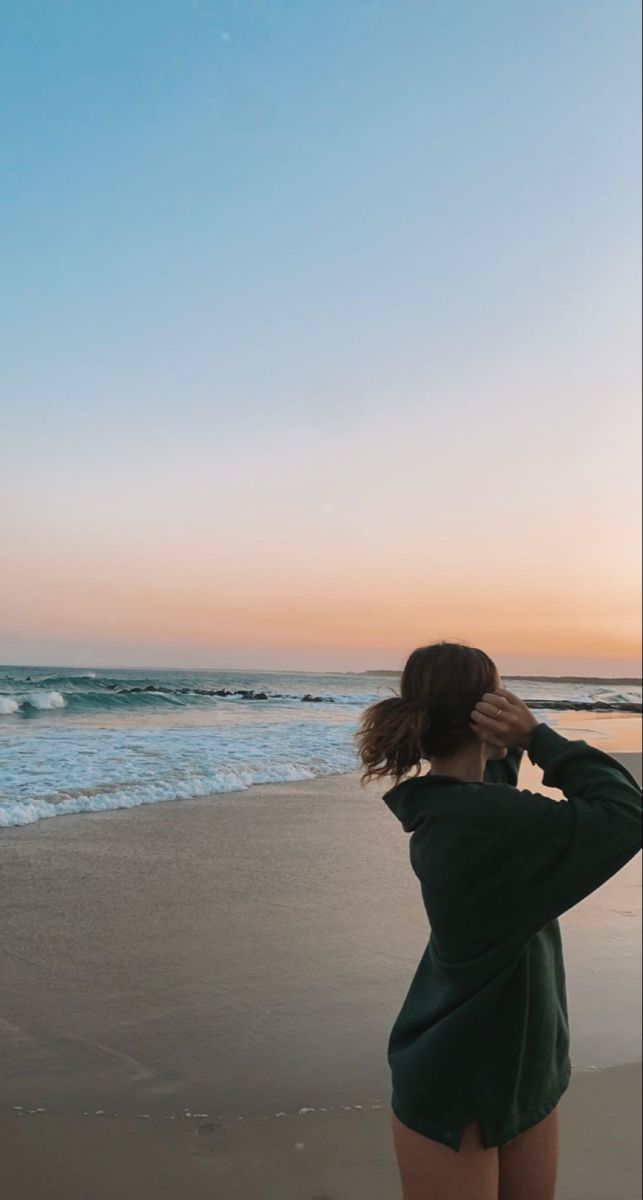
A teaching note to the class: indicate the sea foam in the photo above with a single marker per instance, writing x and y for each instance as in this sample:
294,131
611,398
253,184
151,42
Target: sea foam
94,769
45,700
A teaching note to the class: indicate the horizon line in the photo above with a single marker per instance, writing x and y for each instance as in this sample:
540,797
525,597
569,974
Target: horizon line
635,679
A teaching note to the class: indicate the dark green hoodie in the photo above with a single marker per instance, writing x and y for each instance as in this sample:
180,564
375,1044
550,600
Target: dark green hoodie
483,1032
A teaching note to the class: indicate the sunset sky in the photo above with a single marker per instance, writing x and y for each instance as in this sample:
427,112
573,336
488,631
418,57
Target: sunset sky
320,332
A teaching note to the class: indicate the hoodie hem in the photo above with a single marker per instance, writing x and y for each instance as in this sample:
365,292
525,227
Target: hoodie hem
492,1137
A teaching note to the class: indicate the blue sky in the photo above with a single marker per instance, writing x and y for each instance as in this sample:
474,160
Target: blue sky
274,265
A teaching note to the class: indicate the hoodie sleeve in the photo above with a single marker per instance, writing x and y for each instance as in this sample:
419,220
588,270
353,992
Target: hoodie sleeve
564,850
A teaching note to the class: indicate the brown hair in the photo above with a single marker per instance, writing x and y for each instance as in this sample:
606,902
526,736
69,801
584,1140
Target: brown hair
440,686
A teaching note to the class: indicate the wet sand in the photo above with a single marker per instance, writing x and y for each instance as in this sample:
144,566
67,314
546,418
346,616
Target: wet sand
243,956
337,1155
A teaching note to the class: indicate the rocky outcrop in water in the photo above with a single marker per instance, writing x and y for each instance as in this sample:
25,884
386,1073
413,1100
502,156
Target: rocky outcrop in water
224,693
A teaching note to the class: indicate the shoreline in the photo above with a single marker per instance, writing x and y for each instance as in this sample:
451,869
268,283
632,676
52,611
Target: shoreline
616,733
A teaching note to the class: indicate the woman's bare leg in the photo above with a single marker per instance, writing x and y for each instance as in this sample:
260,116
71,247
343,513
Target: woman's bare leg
431,1171
529,1165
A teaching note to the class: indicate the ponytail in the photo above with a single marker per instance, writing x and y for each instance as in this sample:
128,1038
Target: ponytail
389,739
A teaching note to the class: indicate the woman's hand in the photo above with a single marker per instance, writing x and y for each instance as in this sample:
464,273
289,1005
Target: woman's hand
502,719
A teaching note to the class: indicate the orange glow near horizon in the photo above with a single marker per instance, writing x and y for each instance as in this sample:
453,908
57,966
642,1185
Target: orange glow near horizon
254,566
377,622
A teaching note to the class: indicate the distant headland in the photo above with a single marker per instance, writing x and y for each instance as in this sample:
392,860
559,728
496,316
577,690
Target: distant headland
540,678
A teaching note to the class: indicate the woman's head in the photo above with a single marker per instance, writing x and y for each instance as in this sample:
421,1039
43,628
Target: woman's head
440,686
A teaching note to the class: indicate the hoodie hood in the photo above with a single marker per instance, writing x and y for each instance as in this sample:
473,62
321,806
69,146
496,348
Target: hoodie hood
407,800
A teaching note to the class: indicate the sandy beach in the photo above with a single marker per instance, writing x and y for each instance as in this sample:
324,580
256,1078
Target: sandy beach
181,980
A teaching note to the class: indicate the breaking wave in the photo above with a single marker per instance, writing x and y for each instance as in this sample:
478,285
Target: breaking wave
92,692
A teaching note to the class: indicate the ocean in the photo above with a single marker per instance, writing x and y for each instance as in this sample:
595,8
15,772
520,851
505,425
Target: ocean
75,741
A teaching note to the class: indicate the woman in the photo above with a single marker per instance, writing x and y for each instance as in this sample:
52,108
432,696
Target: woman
479,1053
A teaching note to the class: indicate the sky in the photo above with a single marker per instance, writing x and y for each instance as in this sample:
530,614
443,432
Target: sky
320,332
